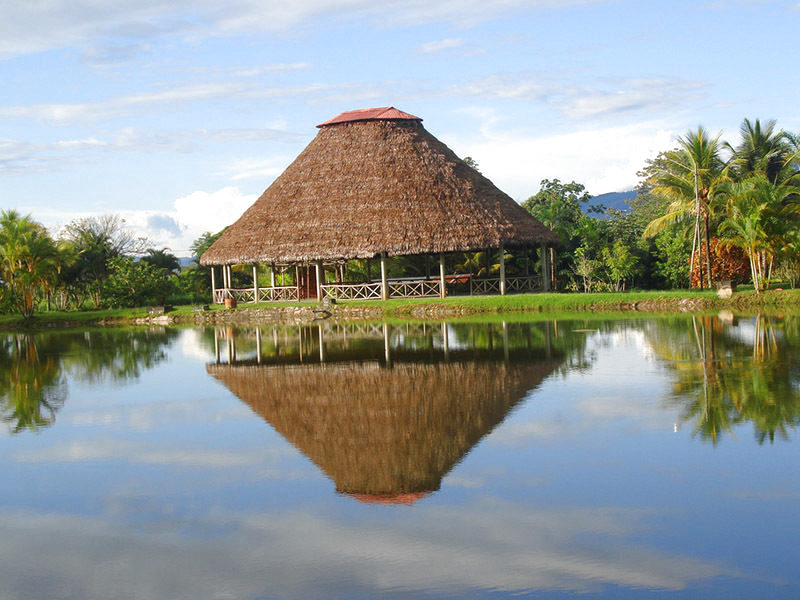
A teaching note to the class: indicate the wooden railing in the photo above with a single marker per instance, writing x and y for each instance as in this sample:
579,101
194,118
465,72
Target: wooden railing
285,293
523,284
268,294
513,284
482,287
352,291
397,288
420,288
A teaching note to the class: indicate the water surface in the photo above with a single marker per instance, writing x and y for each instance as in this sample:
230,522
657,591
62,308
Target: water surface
551,459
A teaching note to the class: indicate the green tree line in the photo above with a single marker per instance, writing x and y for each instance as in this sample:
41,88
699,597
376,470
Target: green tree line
705,211
95,262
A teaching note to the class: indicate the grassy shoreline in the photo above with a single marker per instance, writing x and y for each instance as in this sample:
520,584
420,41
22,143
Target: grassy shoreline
404,308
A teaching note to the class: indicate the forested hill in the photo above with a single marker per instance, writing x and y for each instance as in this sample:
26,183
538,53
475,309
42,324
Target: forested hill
618,200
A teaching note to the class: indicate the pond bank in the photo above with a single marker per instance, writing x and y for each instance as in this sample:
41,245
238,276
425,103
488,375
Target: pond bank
425,309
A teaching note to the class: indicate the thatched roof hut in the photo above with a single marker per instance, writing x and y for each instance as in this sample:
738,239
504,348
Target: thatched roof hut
375,182
385,434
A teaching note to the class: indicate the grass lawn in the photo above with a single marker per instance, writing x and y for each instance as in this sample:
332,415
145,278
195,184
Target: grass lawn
400,308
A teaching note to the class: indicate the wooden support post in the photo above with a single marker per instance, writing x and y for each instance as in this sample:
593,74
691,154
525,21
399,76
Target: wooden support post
255,283
502,271
505,342
213,286
442,282
545,269
384,284
258,345
272,275
386,346
321,344
319,281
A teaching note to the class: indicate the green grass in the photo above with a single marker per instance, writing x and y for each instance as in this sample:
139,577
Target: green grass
522,305
611,301
76,315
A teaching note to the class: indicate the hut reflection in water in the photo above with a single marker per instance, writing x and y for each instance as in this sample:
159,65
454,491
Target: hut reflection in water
385,411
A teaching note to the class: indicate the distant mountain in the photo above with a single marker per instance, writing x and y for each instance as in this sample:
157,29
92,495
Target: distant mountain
618,200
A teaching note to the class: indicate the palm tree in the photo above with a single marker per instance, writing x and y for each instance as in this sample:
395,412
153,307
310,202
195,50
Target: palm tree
762,150
163,259
31,386
28,259
760,214
688,176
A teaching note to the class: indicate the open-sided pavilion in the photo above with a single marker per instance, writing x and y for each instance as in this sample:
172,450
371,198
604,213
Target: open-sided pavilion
374,184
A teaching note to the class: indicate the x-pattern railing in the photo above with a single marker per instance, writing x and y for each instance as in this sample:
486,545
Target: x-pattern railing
414,289
284,293
523,284
513,284
352,291
484,286
243,295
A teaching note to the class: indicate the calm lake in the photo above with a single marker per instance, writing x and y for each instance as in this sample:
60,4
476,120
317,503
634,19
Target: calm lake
619,458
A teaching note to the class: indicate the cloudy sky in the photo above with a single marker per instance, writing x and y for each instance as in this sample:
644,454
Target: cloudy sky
178,114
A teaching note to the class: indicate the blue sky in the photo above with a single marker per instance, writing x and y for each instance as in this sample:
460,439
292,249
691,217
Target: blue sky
177,114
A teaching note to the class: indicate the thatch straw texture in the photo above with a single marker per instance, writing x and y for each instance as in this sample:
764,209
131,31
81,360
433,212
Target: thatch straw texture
362,188
384,433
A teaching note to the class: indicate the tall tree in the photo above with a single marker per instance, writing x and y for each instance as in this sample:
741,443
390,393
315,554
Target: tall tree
762,218
688,176
559,208
203,243
94,242
763,150
163,259
28,259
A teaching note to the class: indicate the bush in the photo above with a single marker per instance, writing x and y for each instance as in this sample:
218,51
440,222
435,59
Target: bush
135,283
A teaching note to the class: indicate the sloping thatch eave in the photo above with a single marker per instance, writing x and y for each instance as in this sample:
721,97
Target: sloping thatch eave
360,189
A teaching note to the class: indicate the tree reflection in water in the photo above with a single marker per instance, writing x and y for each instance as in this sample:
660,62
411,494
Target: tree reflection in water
32,386
725,375
34,368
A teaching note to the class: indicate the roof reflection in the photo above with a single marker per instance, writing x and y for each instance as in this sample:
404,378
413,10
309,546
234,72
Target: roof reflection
387,429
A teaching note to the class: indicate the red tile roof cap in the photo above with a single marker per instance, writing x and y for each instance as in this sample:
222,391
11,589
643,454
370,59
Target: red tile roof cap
386,113
400,498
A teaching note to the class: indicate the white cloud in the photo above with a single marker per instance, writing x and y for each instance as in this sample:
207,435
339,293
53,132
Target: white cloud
604,159
249,168
179,97
636,95
97,450
19,157
193,215
222,554
176,229
577,99
440,45
117,28
211,211
174,98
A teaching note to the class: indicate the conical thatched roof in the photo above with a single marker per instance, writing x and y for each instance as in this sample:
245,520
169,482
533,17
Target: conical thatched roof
384,434
375,181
